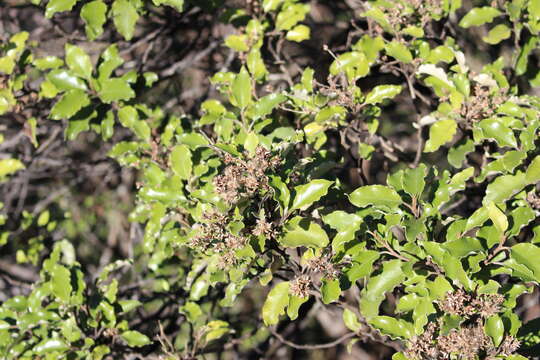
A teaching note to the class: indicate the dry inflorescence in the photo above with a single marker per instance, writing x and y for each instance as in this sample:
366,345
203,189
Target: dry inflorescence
533,200
322,265
213,236
469,341
422,13
263,228
462,304
244,179
300,286
482,104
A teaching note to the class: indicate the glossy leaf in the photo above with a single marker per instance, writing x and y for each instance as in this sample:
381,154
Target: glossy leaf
69,104
54,6
125,17
330,290
275,303
375,195
9,166
241,88
301,232
382,92
135,339
94,16
181,161
374,293
479,16
78,61
440,133
306,195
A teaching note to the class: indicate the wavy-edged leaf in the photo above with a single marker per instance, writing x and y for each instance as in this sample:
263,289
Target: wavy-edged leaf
309,193
275,303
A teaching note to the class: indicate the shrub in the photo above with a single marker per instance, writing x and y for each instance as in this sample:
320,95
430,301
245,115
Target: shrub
374,161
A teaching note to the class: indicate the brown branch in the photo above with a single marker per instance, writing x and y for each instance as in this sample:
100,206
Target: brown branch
313,346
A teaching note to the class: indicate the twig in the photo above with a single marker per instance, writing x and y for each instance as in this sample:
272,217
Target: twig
313,346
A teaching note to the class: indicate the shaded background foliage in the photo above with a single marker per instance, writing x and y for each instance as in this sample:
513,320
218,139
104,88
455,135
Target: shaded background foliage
89,196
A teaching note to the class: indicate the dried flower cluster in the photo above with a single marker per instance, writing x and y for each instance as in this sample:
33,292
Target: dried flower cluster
481,105
242,179
469,342
321,264
263,228
412,13
213,236
463,304
300,286
533,200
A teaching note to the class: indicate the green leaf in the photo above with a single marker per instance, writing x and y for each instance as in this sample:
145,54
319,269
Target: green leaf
309,193
382,92
527,255
340,220
351,320
65,80
532,174
50,345
290,15
298,33
496,129
251,142
177,4
61,282
124,17
265,105
391,276
354,64
440,133
330,290
479,16
458,153
275,303
504,187
9,166
129,117
414,180
217,329
69,104
78,61
181,162
237,42
529,333
301,232
115,90
94,16
399,51
256,65
281,192
294,305
395,328
54,6
497,34
110,61
375,195
135,338
241,88
494,328
497,217
271,5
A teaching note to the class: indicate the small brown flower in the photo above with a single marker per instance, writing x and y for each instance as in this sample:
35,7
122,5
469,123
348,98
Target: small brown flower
263,228
300,286
509,346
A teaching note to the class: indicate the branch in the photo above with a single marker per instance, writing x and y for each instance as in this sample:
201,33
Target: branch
314,346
